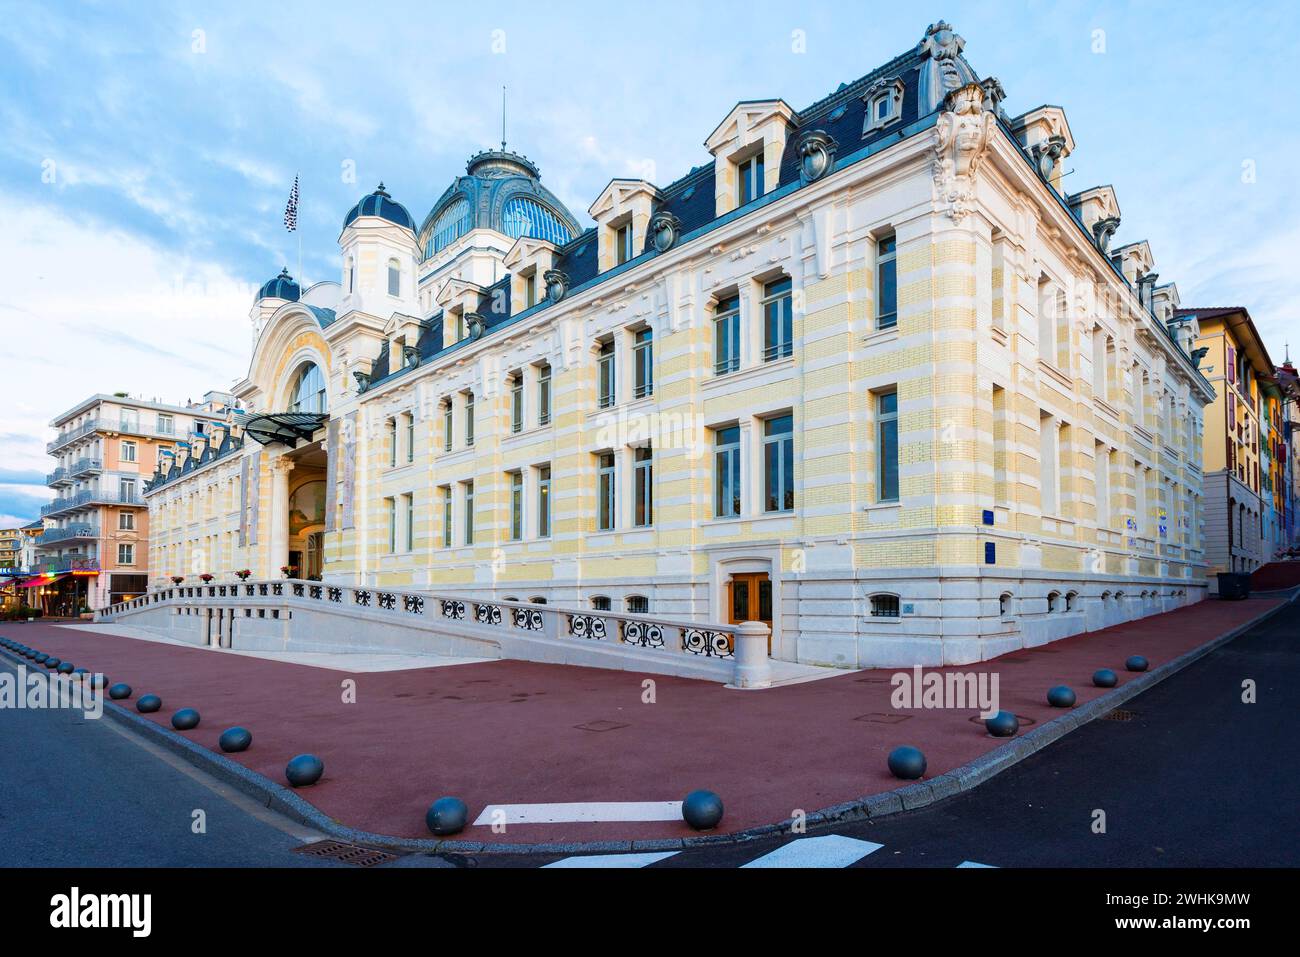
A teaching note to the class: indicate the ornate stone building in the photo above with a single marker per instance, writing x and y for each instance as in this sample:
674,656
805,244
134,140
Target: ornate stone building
868,374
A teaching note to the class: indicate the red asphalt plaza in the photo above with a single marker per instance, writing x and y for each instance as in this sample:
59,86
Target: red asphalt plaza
512,732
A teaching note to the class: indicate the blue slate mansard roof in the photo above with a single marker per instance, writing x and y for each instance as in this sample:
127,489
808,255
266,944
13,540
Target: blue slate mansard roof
380,204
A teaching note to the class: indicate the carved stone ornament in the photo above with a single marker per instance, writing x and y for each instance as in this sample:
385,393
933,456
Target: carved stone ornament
943,70
557,284
994,94
363,380
965,130
816,155
1048,154
665,230
477,325
1103,230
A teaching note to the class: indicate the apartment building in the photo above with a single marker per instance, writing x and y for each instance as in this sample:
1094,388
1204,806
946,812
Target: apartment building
868,374
94,549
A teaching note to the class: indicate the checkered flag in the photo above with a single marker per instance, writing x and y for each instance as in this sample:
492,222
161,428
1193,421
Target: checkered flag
291,208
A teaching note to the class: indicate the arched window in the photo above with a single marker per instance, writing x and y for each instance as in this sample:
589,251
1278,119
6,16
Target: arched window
523,216
638,605
308,390
600,602
1071,599
1054,601
1004,604
394,278
537,600
452,223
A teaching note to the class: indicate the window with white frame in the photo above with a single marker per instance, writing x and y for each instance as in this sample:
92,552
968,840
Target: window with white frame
544,501
394,278
516,506
390,508
607,386
126,521
128,451
643,487
544,394
125,553
726,335
445,494
623,240
408,512
778,320
410,436
886,282
750,179
530,290
126,490
606,485
469,418
726,472
517,402
447,428
469,511
887,446
778,464
643,358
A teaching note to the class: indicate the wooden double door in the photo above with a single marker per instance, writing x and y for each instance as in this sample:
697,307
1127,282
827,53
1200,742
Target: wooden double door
749,598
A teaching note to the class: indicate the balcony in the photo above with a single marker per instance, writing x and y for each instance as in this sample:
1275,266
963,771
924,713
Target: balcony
89,497
58,477
85,466
72,435
76,530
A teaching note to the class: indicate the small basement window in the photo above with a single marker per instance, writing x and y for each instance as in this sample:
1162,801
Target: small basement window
884,606
1054,601
1004,604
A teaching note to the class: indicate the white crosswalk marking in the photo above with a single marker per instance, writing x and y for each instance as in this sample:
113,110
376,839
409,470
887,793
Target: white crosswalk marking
831,850
612,860
976,864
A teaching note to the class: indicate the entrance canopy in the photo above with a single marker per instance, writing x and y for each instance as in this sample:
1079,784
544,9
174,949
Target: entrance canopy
287,427
39,580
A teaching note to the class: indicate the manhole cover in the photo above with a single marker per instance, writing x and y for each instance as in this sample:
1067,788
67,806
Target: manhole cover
1119,714
346,853
600,726
876,717
1024,722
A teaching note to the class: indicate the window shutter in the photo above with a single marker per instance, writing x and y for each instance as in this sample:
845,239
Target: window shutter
1232,365
1232,411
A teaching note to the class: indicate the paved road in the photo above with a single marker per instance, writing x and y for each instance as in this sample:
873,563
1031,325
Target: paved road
1196,778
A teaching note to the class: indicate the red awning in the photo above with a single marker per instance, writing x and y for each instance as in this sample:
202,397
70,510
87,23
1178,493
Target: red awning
40,580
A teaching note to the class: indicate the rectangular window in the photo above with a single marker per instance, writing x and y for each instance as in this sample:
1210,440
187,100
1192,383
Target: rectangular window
516,506
887,447
392,442
886,283
516,403
128,451
726,472
778,464
166,424
469,418
543,395
605,364
125,554
410,436
1101,467
130,421
544,502
126,490
606,481
643,364
446,426
408,510
726,336
624,241
530,290
445,491
469,512
390,506
638,605
126,521
749,180
643,505
778,321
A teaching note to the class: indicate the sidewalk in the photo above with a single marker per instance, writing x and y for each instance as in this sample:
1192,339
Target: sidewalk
510,733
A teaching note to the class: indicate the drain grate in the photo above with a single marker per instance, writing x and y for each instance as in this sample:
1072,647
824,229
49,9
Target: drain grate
876,717
1119,714
346,853
600,726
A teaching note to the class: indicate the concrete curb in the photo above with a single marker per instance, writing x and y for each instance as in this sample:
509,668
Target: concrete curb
923,793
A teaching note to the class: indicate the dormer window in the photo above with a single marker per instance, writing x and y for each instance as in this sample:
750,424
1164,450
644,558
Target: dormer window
394,278
530,290
749,179
623,243
884,101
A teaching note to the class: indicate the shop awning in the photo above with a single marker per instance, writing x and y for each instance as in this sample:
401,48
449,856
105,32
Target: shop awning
40,580
287,427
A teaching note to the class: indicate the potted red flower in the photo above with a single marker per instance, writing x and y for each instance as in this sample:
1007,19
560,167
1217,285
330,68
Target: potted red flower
206,577
243,574
177,579
288,570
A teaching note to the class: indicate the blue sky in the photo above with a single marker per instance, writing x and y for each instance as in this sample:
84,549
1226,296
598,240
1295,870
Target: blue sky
147,149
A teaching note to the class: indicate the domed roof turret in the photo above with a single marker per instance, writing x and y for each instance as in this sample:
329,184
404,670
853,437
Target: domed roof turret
380,204
501,190
282,286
